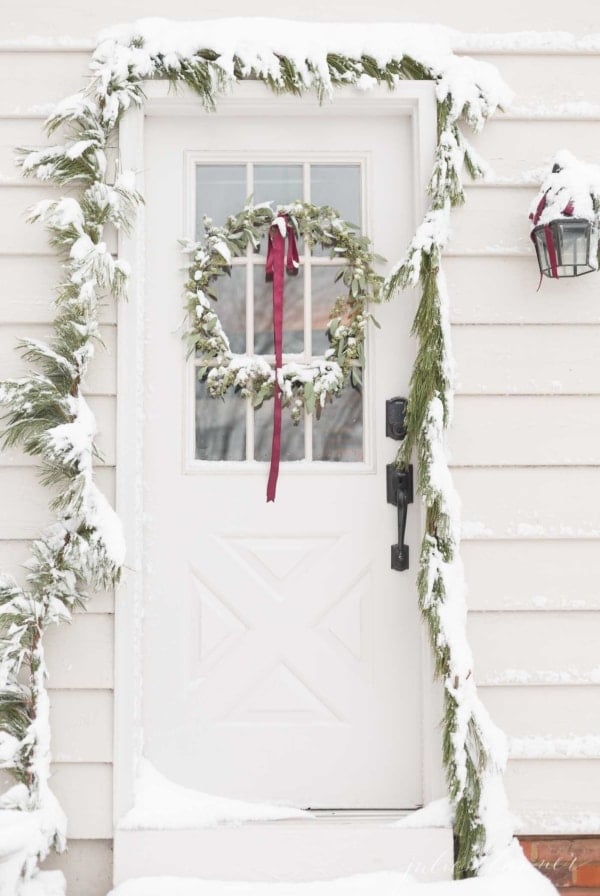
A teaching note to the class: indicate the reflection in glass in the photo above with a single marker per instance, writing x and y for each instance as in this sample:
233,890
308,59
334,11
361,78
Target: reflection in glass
231,306
220,426
293,313
292,437
338,435
324,293
220,191
279,184
339,187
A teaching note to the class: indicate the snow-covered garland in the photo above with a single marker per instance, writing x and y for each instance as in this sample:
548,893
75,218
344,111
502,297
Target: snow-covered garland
48,416
308,386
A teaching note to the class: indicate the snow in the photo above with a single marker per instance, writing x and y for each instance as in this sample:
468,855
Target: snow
544,746
568,676
74,442
436,814
258,42
475,529
19,832
161,804
510,873
461,42
557,820
575,186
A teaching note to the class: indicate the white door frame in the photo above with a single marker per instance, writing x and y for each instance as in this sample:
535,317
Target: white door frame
415,99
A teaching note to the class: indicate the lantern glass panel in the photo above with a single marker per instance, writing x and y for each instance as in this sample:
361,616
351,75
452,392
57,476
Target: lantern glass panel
567,247
572,246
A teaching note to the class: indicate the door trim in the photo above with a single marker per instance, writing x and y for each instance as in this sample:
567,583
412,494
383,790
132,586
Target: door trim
409,98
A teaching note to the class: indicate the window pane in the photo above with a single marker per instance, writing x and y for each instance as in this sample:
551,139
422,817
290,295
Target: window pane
220,191
292,437
293,313
231,306
220,426
339,187
338,435
279,184
324,293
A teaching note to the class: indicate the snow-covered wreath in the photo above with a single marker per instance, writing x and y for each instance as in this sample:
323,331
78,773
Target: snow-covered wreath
46,413
303,385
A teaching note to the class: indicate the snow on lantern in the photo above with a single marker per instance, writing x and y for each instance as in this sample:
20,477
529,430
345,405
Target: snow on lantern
565,219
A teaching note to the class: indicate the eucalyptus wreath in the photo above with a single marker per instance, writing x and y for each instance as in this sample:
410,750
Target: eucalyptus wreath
304,385
47,415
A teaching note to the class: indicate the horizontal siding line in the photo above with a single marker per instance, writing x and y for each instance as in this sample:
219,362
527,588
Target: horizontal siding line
486,253
56,762
524,539
499,184
525,51
588,683
483,396
19,465
24,116
28,254
539,394
24,46
541,757
493,611
527,323
537,539
15,182
547,115
86,46
83,690
545,466
464,322
71,690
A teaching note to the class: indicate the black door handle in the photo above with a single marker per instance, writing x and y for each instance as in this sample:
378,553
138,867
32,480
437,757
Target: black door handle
400,493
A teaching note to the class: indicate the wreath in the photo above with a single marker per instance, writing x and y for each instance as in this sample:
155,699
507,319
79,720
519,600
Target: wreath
308,385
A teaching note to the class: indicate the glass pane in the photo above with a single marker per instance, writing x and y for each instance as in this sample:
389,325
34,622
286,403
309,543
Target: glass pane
220,191
324,293
231,306
279,184
338,435
339,187
293,313
292,437
220,426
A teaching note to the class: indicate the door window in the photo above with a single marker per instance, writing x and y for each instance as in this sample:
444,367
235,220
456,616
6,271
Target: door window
229,429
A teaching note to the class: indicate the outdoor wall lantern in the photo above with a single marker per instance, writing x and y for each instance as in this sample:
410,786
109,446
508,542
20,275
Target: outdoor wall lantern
565,219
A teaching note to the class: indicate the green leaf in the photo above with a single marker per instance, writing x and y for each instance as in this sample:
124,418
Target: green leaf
309,397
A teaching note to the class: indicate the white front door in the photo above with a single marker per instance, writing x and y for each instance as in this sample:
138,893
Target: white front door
281,651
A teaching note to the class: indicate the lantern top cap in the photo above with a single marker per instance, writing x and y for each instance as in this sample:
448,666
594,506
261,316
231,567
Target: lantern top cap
570,190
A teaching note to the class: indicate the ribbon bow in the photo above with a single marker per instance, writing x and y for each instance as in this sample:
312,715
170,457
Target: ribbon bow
277,259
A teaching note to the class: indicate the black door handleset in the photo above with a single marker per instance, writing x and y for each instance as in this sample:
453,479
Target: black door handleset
399,483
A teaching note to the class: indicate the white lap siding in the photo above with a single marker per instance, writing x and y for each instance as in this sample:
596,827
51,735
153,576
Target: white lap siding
525,446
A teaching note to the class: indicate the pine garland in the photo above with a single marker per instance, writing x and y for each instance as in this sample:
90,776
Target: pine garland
47,415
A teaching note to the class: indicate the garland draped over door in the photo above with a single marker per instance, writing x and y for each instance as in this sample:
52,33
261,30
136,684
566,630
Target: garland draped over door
46,413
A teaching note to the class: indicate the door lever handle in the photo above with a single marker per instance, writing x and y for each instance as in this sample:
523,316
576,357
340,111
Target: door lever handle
400,494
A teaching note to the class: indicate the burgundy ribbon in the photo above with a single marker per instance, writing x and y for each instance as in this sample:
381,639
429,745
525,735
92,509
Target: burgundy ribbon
535,217
277,259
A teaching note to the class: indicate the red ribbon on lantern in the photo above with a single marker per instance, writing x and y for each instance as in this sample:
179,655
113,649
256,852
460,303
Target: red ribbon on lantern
535,217
277,260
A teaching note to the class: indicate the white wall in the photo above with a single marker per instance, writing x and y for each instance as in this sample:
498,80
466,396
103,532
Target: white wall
525,444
